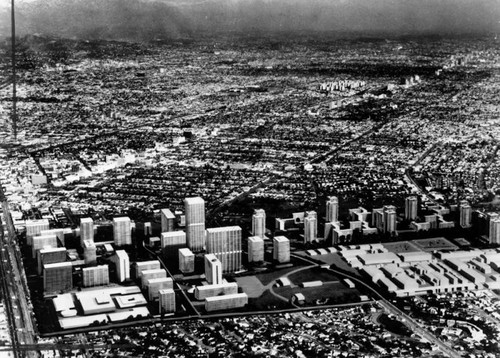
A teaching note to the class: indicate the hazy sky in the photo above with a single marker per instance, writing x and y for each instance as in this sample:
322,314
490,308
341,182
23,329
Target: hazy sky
145,19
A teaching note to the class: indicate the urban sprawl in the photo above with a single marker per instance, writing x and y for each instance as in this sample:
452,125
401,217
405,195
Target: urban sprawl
252,198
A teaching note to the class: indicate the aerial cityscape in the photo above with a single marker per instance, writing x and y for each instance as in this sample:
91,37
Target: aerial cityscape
238,179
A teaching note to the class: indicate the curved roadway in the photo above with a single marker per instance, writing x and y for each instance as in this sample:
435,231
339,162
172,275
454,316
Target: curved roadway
389,307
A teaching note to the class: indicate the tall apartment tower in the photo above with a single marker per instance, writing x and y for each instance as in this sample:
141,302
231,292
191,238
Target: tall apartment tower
213,269
495,231
310,226
95,276
86,230
332,209
465,214
411,207
171,242
259,223
167,300
281,249
384,219
195,223
35,227
225,243
42,242
57,277
89,252
186,260
167,220
255,249
389,220
122,233
122,263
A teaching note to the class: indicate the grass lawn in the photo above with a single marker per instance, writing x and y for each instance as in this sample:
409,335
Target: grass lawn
312,274
266,302
268,277
335,291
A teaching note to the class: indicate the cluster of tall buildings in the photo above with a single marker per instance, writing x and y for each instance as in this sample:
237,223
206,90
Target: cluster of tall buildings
385,219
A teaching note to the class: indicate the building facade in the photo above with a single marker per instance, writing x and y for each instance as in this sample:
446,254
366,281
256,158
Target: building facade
122,233
259,223
332,209
195,223
225,244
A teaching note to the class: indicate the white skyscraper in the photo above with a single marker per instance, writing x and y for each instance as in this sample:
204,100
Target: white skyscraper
225,243
332,209
213,269
385,219
167,300
195,223
259,223
281,249
310,226
495,231
186,260
122,233
389,220
122,264
86,230
411,206
255,249
167,220
465,214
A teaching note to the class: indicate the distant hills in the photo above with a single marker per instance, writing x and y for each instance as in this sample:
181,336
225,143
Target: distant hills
140,20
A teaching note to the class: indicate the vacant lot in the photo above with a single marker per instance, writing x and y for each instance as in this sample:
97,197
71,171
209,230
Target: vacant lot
398,247
437,243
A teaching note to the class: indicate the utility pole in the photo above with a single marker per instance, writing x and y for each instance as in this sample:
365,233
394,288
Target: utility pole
13,56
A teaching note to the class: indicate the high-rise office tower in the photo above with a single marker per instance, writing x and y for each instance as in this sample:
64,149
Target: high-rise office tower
167,220
154,285
213,269
148,274
146,265
58,277
122,233
42,242
411,207
171,241
167,300
122,263
186,260
281,249
259,223
384,219
86,230
35,227
495,231
195,223
60,233
89,252
389,220
255,249
95,276
310,226
225,243
332,209
50,256
148,229
465,214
